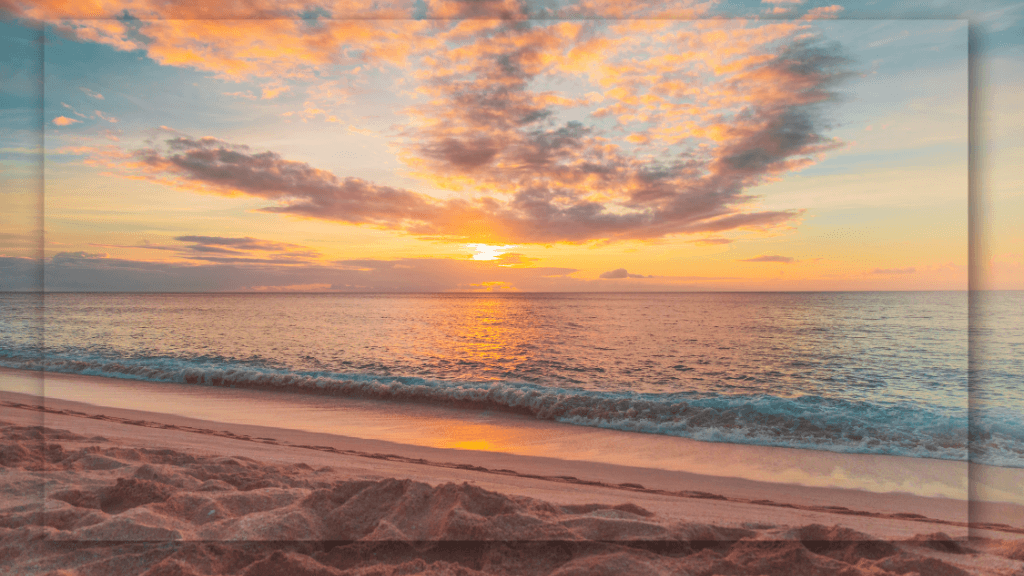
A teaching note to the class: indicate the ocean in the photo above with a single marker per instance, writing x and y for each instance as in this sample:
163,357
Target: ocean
863,372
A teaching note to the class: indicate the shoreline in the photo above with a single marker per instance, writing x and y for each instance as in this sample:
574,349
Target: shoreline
503,471
439,427
107,492
762,420
94,489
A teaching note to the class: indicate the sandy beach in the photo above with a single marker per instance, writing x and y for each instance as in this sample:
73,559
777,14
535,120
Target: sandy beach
511,287
100,490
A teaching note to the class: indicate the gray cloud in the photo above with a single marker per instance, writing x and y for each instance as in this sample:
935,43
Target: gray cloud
543,174
78,272
74,272
712,241
783,259
301,188
75,256
621,273
465,154
20,274
245,249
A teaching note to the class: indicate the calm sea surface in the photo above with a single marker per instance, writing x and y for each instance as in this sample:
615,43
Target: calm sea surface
879,373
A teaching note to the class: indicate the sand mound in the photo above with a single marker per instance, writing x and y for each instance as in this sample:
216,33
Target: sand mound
13,454
1012,549
128,493
116,510
942,542
166,475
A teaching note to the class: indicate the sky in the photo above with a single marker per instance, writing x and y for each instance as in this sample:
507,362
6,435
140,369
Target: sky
479,145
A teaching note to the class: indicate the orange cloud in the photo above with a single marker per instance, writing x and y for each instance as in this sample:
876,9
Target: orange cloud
257,38
531,216
696,113
823,12
64,121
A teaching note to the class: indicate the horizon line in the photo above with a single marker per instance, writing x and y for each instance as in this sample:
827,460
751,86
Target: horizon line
498,292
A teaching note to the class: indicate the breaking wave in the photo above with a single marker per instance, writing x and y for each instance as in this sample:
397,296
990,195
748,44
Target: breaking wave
810,422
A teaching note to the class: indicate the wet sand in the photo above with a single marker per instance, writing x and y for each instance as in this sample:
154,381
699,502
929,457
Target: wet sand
431,426
99,490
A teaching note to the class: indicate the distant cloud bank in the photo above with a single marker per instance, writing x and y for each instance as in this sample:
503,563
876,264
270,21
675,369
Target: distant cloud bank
774,258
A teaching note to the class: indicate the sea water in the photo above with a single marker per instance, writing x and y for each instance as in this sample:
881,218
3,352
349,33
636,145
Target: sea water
875,373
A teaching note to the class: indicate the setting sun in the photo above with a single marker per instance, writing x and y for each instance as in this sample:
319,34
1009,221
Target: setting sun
487,252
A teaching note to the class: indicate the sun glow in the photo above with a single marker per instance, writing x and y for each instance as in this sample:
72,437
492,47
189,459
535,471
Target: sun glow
488,252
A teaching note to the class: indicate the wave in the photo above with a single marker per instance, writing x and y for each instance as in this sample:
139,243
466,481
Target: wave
810,422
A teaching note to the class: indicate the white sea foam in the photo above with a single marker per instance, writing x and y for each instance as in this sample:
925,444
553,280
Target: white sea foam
808,421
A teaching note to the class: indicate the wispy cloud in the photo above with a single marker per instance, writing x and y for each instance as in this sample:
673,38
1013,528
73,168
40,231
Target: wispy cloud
73,111
908,270
822,12
712,241
238,94
774,258
95,95
65,121
230,249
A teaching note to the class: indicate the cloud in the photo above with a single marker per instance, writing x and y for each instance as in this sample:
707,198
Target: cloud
712,241
247,95
64,121
783,259
621,273
496,286
515,259
267,45
231,249
272,90
823,12
62,257
544,178
73,271
244,250
245,243
487,129
20,274
95,95
301,189
73,111
145,246
343,9
713,110
314,287
894,270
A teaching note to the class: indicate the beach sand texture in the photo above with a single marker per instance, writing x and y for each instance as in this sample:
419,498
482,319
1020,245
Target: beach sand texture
96,493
